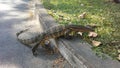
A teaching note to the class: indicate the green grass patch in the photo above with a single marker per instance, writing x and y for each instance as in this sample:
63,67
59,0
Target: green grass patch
100,12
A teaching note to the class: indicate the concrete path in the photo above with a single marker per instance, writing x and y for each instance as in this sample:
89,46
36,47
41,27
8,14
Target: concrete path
14,15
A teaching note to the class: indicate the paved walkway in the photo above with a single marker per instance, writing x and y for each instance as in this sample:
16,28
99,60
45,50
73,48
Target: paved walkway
14,16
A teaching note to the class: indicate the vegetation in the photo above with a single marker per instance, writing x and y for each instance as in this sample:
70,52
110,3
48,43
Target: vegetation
104,13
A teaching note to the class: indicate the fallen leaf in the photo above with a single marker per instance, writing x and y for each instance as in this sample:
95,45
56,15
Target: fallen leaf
118,57
92,34
82,15
58,63
82,4
118,50
59,60
96,43
80,33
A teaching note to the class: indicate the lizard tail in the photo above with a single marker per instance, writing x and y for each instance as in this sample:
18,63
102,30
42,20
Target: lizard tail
81,28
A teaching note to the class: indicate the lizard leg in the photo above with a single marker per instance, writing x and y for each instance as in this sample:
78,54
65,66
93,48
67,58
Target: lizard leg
35,48
49,46
67,34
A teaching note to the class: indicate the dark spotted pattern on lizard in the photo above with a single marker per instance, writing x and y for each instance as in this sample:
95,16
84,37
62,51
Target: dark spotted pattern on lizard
53,32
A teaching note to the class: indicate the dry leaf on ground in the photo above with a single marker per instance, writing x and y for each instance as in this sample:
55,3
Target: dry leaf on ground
80,33
92,34
59,60
96,43
58,63
118,50
83,15
118,57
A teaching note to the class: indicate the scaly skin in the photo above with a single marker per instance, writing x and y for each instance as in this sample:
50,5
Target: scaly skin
53,32
29,41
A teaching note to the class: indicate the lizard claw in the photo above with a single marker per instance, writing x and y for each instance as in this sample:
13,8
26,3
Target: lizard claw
35,53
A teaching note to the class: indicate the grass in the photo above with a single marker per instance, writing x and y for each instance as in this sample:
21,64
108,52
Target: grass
104,13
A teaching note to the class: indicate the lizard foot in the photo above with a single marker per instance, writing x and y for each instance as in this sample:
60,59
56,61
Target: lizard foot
35,53
49,47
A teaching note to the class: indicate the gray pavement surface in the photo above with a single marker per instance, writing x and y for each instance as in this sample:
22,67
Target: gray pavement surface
14,15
